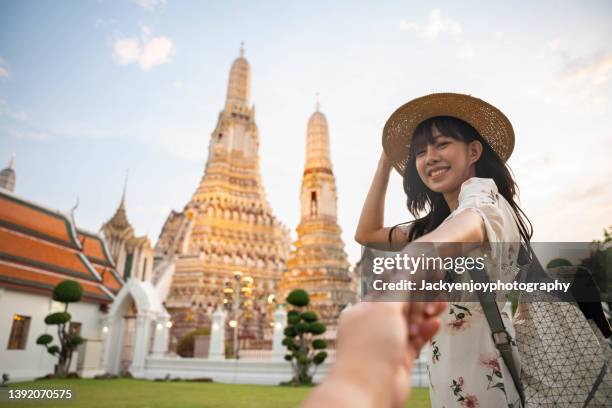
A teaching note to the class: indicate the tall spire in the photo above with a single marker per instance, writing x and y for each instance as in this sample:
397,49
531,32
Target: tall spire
317,106
122,203
7,176
238,87
319,264
119,220
317,142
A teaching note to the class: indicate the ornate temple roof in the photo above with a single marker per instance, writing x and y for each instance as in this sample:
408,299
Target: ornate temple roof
98,254
119,221
40,247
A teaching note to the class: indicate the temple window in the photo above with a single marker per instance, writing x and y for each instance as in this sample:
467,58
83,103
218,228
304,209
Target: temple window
127,270
19,332
313,203
74,329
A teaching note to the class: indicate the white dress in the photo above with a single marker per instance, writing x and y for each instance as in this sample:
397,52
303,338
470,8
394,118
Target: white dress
465,369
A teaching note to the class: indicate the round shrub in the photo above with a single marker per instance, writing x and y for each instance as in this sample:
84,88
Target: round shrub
76,340
557,262
44,339
58,318
298,297
316,328
319,357
68,291
302,327
319,344
288,357
53,350
290,331
293,317
184,348
288,341
309,317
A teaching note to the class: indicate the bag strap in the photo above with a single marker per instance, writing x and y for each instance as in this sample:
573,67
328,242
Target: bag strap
499,334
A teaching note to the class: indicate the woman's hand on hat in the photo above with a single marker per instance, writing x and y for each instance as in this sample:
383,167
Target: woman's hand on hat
384,161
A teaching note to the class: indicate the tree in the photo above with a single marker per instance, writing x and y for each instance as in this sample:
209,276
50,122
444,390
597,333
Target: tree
304,350
67,291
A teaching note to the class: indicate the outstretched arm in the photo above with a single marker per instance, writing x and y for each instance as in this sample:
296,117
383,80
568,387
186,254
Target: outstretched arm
467,226
377,345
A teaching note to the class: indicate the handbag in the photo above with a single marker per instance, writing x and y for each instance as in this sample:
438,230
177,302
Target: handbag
564,359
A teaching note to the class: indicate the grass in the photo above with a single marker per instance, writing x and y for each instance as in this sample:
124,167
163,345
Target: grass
128,393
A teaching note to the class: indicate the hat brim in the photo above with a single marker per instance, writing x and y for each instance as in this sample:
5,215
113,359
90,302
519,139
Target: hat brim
489,121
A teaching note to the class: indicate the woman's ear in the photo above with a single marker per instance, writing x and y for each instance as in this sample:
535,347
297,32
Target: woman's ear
474,151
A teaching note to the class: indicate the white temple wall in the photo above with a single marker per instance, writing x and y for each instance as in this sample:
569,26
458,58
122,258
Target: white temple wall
34,361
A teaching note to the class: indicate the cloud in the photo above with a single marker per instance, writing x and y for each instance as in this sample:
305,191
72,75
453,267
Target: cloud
150,5
26,134
594,69
127,50
146,51
579,84
157,51
436,25
4,71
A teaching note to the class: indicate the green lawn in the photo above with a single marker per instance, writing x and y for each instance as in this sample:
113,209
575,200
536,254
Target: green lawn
127,393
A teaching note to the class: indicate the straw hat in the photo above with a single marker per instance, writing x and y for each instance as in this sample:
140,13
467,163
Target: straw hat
489,121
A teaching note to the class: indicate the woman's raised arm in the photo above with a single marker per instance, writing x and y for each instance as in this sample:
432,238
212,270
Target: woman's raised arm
371,229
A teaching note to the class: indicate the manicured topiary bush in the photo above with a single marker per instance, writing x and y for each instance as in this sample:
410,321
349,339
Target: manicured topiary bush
304,352
67,292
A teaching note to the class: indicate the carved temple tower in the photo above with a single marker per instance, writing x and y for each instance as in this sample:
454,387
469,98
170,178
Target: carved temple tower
228,225
319,264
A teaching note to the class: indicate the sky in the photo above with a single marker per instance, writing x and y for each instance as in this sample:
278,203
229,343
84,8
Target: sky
92,90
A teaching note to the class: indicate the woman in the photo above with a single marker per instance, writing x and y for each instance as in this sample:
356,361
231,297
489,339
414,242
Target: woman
451,151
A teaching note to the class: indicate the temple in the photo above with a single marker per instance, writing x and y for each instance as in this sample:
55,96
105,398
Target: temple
133,255
39,248
319,264
227,227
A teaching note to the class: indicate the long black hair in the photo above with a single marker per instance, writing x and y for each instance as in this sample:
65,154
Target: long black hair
420,198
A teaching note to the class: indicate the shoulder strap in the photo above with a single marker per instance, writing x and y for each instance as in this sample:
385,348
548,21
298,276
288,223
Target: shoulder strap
499,334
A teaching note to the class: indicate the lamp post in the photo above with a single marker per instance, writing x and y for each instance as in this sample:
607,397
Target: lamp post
240,293
237,312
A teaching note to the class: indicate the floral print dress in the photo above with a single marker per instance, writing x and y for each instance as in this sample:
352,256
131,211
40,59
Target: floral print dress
465,369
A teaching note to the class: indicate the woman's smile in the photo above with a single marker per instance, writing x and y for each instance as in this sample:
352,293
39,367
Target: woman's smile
438,173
